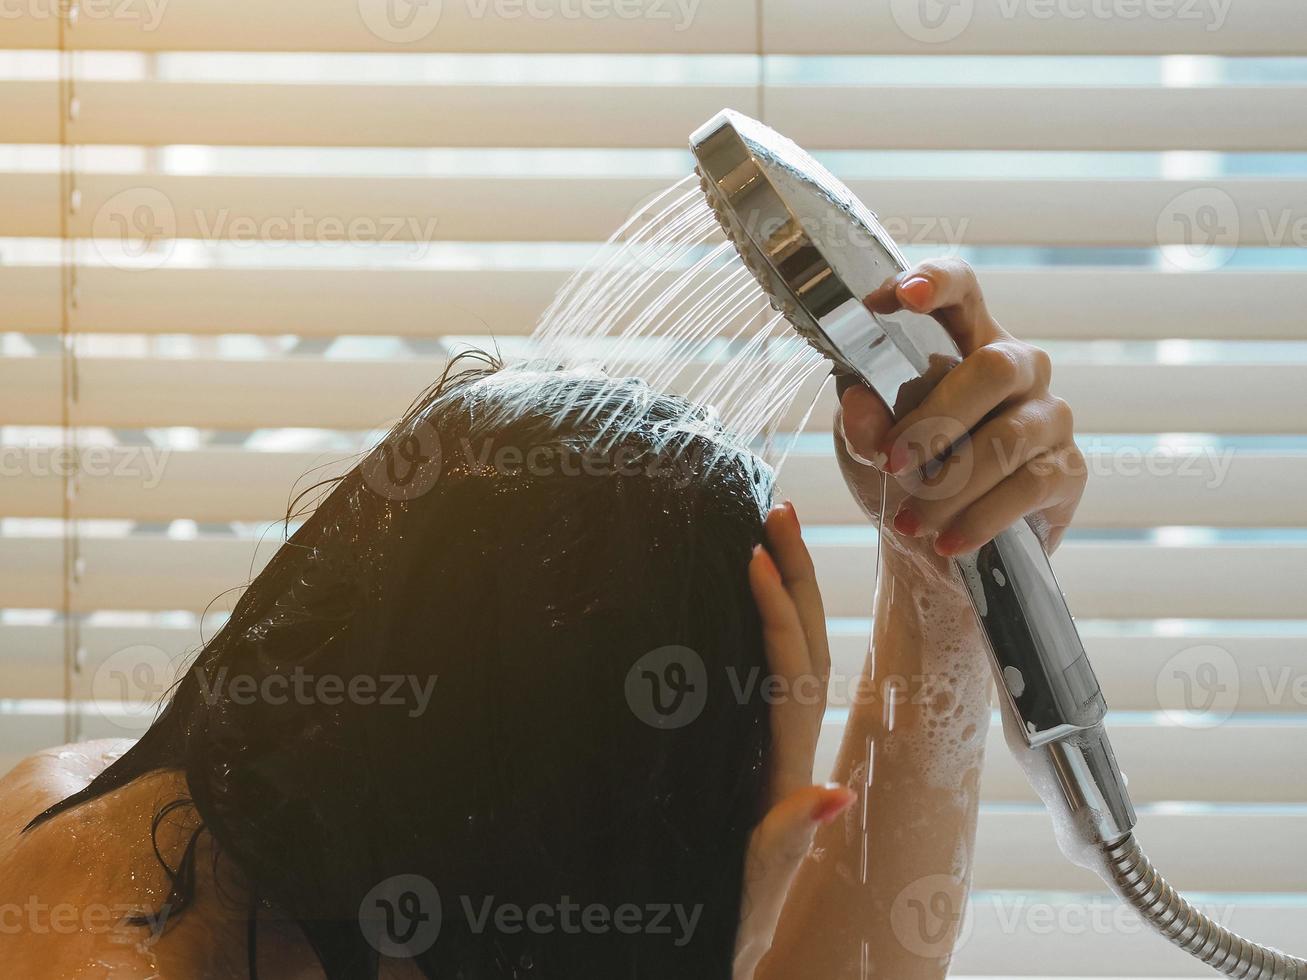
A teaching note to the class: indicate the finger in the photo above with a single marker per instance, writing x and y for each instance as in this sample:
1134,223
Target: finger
782,629
1058,512
863,421
1054,539
776,850
981,462
987,379
948,290
795,726
1050,484
786,545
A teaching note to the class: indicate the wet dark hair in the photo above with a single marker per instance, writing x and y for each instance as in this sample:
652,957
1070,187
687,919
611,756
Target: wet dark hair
532,592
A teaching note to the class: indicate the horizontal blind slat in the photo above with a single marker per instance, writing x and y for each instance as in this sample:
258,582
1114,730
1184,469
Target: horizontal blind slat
30,110
244,394
1120,212
1040,934
1260,675
1270,27
490,26
943,117
1127,581
1057,117
1109,581
158,113
143,483
1129,488
987,27
1199,852
1036,304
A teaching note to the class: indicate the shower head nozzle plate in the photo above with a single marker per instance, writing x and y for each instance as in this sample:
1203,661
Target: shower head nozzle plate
817,252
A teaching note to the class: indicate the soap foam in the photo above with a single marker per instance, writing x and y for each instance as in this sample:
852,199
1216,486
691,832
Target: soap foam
1073,832
950,695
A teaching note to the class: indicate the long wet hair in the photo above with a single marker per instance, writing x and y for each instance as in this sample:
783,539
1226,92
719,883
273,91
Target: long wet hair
586,633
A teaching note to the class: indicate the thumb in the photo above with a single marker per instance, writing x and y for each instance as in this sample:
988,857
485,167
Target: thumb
776,849
860,421
863,422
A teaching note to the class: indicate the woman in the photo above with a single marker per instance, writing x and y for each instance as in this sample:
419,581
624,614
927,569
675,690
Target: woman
575,772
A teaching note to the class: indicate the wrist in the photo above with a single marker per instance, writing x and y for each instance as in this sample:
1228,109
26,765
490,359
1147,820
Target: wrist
915,560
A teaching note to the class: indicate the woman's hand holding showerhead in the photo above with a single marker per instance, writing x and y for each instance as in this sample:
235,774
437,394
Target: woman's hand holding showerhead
988,446
798,661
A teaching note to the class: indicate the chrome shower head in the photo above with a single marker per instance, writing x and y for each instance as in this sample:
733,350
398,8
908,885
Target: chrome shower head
817,252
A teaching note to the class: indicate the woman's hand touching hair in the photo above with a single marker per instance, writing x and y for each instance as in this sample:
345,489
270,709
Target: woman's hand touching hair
798,661
988,446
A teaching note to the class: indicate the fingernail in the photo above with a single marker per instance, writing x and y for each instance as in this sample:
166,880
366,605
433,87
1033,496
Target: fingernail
915,291
949,543
794,514
768,564
849,447
833,805
897,456
906,522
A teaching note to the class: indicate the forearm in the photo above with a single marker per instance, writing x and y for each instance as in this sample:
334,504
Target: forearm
882,893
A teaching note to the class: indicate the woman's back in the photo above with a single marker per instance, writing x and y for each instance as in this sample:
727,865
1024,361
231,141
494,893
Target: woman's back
70,886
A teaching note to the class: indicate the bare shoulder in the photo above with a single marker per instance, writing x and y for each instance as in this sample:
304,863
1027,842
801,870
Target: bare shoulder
69,888
46,777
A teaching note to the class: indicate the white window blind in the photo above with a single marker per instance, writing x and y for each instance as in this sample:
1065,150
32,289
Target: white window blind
236,238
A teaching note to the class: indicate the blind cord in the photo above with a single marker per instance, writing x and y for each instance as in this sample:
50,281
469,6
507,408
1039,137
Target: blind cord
69,202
